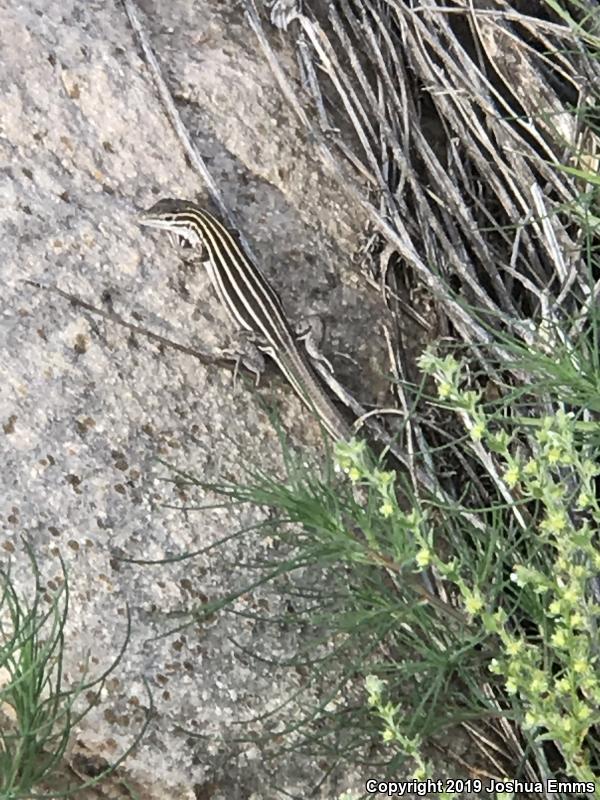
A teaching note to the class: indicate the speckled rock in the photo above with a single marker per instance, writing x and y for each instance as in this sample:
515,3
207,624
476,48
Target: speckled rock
87,408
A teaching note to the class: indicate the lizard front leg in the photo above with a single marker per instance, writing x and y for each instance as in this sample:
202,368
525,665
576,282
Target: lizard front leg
247,354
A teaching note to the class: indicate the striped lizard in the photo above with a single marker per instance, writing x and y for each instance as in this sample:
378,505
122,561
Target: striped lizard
249,299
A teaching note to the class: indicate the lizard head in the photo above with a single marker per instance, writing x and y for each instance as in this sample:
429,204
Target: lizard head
177,218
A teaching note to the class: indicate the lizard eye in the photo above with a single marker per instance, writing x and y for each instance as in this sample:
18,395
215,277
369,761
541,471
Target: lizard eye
183,243
178,241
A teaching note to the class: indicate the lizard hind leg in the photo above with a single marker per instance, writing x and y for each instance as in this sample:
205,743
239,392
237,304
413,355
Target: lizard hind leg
310,330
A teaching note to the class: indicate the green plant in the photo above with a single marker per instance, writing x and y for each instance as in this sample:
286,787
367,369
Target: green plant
40,713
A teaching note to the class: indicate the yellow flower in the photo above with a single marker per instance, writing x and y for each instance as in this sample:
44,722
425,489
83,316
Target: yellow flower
428,361
571,594
562,564
353,474
413,519
580,666
384,479
374,687
538,683
555,522
583,713
584,500
477,431
511,476
531,467
386,509
530,719
444,390
554,454
514,647
473,603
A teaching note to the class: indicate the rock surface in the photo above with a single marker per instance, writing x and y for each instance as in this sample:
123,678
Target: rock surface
87,408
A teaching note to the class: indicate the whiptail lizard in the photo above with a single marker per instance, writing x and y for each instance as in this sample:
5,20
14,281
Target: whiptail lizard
250,301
